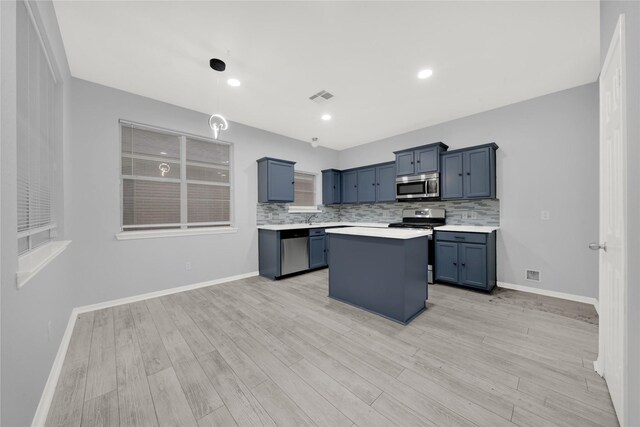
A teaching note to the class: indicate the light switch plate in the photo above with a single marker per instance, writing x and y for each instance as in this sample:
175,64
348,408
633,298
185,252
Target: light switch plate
545,215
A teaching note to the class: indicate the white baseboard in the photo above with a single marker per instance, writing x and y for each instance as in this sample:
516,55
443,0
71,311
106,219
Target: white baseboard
42,411
548,293
135,298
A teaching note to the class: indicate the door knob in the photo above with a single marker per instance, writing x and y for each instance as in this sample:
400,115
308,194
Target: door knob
596,246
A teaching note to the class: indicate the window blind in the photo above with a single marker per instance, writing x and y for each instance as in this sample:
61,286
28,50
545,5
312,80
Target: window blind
171,180
304,189
36,127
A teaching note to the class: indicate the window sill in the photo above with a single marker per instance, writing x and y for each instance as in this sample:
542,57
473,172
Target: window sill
304,209
31,263
152,234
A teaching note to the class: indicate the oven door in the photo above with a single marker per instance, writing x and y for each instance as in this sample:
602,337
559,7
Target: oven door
411,189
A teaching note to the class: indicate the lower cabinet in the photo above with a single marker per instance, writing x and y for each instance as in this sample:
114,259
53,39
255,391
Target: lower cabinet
317,251
466,259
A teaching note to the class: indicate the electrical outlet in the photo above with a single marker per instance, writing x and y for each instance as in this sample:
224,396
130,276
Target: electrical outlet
473,215
187,265
545,215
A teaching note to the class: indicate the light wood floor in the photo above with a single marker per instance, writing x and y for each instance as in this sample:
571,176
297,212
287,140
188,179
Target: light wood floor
257,352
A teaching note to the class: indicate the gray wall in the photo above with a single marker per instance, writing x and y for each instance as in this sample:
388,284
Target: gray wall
104,268
609,12
548,160
27,349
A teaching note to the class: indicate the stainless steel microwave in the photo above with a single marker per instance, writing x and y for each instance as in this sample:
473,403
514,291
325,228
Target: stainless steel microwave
418,187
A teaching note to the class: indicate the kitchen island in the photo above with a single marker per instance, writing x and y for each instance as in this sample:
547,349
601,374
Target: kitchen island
380,270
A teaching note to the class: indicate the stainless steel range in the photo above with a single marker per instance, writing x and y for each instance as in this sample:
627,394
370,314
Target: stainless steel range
424,219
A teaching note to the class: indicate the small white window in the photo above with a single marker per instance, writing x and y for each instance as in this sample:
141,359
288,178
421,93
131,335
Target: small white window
173,181
304,198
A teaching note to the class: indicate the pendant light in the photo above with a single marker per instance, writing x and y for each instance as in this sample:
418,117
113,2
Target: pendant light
217,122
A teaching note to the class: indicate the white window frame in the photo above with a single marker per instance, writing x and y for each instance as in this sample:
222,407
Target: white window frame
36,258
293,208
185,229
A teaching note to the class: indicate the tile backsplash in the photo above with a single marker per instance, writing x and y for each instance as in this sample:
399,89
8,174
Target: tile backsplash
466,212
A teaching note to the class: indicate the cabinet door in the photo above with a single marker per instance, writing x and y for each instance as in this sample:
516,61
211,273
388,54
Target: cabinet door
280,181
330,187
446,261
336,187
473,265
386,183
366,185
404,163
451,176
317,253
427,160
477,172
350,187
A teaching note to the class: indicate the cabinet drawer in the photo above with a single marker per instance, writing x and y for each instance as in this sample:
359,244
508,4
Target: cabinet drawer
453,236
316,232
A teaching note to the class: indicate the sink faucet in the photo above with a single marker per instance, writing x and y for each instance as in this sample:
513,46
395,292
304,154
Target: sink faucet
310,218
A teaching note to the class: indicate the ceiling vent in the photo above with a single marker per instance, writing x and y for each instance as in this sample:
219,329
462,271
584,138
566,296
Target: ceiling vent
321,97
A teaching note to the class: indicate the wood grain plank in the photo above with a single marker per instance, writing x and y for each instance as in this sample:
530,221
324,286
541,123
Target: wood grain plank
153,352
346,402
101,373
221,417
169,401
67,404
242,405
311,402
281,409
101,411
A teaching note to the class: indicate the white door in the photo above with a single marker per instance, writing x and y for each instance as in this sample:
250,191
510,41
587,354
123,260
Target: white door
612,363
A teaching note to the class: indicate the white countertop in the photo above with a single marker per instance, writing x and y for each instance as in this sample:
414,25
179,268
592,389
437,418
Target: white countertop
468,228
322,225
388,233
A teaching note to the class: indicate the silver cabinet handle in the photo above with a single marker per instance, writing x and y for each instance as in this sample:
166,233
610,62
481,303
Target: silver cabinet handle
596,246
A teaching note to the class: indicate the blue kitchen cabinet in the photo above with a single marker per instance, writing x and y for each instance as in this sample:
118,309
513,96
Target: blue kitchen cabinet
404,163
446,261
473,265
386,183
331,191
451,176
366,185
466,259
317,251
419,160
350,186
275,180
469,173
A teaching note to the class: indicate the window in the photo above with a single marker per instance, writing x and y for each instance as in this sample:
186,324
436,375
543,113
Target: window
37,126
173,181
304,190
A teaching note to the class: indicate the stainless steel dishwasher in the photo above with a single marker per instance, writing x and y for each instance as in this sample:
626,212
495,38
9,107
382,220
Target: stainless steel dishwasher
294,251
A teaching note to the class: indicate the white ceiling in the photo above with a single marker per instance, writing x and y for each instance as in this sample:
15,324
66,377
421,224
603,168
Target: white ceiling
484,55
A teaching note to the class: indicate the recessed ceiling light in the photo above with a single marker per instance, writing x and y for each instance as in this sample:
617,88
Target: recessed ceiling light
425,74
164,153
233,82
326,117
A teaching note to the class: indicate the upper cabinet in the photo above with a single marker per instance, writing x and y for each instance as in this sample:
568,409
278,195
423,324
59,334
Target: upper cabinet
275,180
386,183
368,184
469,173
350,186
331,191
419,160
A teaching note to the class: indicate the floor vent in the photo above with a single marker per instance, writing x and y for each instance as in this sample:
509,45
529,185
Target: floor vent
533,275
321,97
